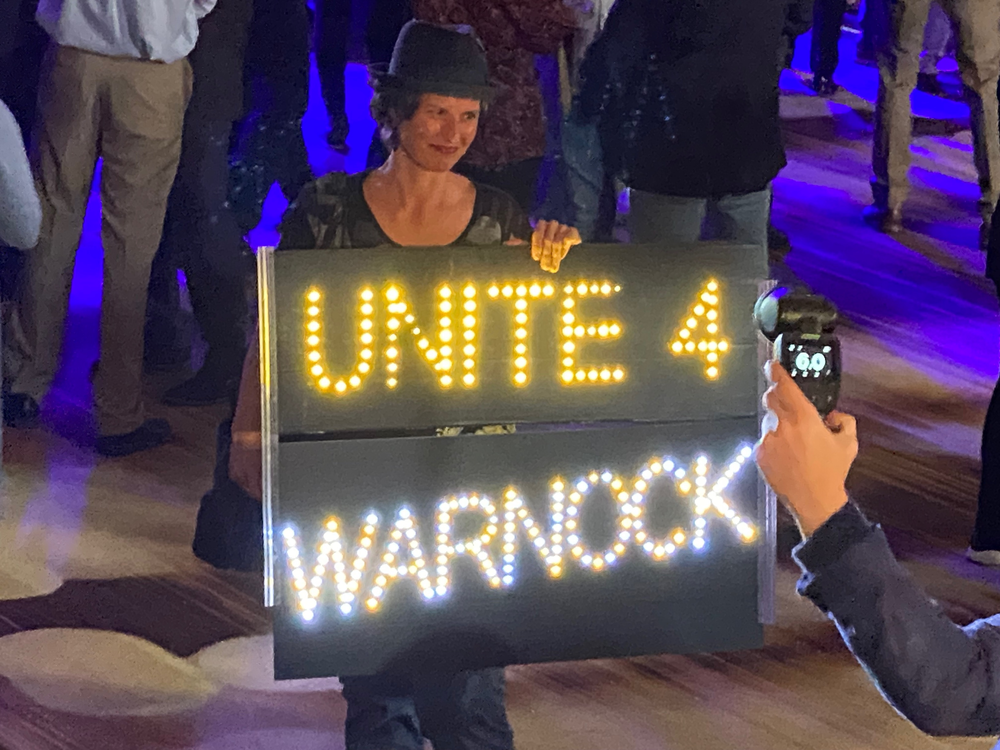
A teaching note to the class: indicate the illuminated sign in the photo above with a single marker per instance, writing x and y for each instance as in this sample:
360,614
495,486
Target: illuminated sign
495,545
452,351
632,377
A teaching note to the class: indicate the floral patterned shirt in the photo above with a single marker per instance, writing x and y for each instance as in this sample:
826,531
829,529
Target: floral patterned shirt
513,32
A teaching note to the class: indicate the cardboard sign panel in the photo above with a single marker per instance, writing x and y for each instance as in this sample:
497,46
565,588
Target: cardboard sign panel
448,553
411,339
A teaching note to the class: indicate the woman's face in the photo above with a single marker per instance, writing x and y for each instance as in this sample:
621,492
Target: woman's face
440,132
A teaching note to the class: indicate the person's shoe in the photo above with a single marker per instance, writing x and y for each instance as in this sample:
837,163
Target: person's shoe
885,220
20,410
337,137
824,86
989,557
150,434
929,84
206,387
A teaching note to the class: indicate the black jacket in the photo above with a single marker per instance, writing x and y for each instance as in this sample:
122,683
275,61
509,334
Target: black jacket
706,122
940,676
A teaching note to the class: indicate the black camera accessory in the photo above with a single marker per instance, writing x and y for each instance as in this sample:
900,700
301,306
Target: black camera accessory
802,326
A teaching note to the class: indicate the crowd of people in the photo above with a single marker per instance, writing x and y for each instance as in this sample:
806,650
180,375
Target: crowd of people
194,109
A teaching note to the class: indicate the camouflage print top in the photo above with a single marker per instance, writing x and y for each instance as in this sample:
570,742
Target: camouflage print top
332,213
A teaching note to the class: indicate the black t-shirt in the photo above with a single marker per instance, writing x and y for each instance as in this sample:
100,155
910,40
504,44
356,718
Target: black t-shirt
332,213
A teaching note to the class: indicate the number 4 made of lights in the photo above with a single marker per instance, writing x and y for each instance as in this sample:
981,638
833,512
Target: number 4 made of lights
699,334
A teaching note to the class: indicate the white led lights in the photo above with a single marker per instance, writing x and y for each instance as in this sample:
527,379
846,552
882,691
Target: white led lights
358,585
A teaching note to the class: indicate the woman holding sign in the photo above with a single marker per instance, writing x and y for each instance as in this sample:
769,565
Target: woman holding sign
427,105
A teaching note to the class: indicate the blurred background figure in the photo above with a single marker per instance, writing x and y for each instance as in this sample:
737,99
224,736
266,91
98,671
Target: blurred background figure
590,200
22,45
117,91
332,38
268,146
687,96
976,22
937,40
20,211
824,54
201,235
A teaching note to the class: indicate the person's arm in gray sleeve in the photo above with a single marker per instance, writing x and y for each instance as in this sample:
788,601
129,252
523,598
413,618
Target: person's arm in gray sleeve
20,211
942,677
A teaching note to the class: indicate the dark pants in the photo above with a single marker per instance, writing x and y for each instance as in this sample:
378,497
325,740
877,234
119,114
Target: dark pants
828,16
333,24
986,533
519,180
269,146
201,237
874,28
332,34
454,711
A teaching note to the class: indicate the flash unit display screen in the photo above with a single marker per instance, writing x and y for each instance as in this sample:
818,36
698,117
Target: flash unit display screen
810,361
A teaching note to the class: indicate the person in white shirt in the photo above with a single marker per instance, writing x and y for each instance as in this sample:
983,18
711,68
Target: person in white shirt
20,212
115,84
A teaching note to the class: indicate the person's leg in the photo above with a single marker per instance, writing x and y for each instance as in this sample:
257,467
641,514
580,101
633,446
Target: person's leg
979,61
212,259
289,81
664,218
986,531
828,16
936,36
163,351
64,156
381,714
141,145
332,32
269,145
899,62
385,21
464,711
740,218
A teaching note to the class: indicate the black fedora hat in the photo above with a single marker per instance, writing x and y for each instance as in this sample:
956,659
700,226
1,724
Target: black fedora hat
433,59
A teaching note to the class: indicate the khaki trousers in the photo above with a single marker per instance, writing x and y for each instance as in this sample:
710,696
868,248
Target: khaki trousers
130,113
978,26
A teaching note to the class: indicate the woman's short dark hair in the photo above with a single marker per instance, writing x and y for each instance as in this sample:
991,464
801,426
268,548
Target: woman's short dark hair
392,106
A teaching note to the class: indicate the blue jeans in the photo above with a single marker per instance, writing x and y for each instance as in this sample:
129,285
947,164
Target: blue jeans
462,711
741,219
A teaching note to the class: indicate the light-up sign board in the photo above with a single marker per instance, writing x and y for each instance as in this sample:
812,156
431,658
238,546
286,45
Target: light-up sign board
620,517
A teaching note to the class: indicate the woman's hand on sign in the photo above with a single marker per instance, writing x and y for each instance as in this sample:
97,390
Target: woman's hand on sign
245,463
550,242
803,457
